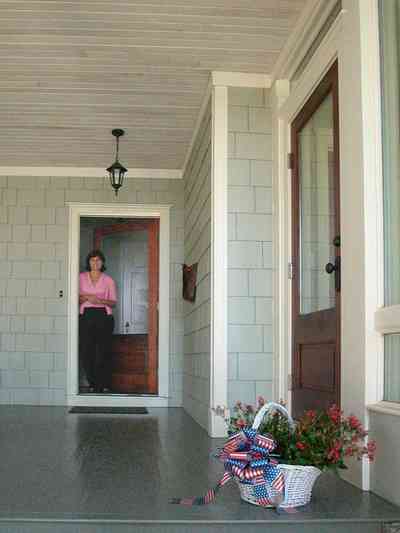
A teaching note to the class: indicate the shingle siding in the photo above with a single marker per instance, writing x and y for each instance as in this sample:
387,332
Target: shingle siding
33,269
250,261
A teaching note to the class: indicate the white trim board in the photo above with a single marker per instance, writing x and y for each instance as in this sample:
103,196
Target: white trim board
310,23
219,261
386,408
281,247
387,319
240,79
90,172
77,210
322,60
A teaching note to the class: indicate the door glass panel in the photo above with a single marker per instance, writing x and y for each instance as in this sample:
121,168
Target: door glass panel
127,264
317,209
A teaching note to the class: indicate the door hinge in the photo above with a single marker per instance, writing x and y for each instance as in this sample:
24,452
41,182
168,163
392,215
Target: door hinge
290,271
290,161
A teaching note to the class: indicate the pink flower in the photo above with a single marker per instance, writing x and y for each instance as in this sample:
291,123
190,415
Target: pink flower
349,451
371,449
260,401
311,414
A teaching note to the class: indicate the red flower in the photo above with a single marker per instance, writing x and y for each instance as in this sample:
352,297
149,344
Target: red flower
334,455
335,414
300,446
311,414
354,422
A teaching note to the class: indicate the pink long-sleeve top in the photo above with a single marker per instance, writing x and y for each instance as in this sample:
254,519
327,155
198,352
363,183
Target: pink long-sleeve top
104,288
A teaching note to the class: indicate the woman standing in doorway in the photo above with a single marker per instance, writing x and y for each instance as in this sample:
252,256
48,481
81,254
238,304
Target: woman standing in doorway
97,297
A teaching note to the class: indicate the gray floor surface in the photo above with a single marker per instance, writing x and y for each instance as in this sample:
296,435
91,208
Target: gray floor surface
124,468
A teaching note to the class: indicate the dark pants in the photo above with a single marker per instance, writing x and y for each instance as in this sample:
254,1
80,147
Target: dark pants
95,332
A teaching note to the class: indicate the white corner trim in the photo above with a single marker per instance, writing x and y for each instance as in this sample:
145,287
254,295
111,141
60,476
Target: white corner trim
373,197
309,24
387,319
76,210
281,245
89,172
202,110
240,79
219,260
386,408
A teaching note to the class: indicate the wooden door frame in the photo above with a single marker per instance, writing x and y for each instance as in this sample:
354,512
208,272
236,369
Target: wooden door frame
152,226
328,84
162,212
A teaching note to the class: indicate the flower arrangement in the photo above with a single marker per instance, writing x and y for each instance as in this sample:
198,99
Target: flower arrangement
321,438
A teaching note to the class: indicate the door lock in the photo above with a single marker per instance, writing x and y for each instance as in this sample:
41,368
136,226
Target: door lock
330,267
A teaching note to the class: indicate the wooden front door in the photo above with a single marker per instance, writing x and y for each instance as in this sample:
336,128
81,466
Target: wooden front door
316,250
134,263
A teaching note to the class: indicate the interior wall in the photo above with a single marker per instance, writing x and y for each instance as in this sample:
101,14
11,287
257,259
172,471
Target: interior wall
250,231
196,367
33,271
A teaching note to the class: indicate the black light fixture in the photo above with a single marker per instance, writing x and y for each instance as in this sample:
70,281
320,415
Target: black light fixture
116,170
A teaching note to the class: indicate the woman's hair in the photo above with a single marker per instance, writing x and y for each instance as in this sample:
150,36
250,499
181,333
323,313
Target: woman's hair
96,253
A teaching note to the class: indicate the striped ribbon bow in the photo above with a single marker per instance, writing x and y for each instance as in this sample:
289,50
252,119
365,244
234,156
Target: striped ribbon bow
246,457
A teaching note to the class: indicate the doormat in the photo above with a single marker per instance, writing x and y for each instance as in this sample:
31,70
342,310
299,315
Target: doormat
109,410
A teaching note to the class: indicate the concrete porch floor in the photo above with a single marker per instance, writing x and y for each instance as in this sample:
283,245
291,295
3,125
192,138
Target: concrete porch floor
115,473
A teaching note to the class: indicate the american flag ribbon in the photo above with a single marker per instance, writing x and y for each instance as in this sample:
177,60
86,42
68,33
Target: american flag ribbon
246,457
265,442
241,456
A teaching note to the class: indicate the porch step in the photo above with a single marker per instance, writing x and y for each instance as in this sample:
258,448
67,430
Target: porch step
115,526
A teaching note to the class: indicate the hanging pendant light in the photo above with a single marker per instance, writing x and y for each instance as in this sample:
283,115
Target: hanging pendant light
116,170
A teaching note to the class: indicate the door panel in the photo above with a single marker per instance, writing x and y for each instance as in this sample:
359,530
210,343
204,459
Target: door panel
130,363
316,250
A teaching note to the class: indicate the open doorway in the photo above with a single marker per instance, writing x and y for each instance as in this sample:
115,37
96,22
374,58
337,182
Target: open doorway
108,215
131,249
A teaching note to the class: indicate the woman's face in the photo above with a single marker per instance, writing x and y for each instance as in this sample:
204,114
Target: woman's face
95,263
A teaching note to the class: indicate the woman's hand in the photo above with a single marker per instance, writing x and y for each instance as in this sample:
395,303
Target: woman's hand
91,298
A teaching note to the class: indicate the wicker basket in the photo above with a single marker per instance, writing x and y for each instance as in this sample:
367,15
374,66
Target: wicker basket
299,480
